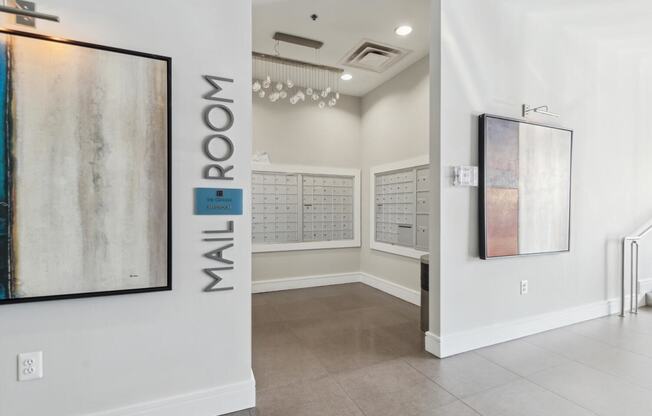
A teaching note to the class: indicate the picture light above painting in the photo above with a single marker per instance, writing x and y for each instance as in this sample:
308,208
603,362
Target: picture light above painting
525,187
84,169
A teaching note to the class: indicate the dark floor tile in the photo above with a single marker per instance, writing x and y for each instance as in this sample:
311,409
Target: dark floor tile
381,316
319,397
279,358
351,301
263,298
315,329
393,388
351,349
303,308
263,314
404,339
281,366
273,334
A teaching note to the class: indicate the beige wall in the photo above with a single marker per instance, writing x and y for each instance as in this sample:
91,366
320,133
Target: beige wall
395,126
389,124
305,135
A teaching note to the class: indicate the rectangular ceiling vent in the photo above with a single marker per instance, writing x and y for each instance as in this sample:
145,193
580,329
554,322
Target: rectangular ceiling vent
373,56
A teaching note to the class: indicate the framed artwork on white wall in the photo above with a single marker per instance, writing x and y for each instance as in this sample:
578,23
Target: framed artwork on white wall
85,156
304,208
525,187
399,207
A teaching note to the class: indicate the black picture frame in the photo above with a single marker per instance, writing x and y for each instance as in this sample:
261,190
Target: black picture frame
482,219
168,62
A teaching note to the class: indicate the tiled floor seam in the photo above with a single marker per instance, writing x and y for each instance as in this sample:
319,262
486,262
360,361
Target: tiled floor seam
559,395
349,396
619,377
280,386
567,328
527,377
609,345
521,378
426,376
405,361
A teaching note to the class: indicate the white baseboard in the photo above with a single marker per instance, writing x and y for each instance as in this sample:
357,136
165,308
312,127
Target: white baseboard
210,402
289,283
433,344
401,292
457,343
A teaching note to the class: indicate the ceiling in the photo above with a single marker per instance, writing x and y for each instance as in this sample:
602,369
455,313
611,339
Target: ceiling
341,25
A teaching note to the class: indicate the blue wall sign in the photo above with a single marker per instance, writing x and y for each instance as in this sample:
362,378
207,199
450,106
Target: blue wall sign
218,201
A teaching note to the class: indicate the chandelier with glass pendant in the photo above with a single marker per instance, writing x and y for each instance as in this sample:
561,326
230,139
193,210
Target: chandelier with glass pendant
277,79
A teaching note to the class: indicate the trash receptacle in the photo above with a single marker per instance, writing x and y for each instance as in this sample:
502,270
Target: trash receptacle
425,289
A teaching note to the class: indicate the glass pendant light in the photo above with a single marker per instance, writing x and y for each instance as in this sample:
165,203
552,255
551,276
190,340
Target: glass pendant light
276,78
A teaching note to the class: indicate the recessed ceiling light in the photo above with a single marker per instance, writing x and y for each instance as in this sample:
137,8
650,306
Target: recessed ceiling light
403,30
346,77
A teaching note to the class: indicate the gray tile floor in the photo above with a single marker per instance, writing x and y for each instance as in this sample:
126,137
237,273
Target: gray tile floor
352,350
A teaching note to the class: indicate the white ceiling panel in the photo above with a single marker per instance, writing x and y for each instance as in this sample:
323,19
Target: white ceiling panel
341,25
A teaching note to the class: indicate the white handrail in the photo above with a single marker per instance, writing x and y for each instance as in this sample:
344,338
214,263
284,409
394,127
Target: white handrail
640,235
634,285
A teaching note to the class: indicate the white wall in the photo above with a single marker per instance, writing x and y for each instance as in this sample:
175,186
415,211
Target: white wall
303,134
395,126
115,352
496,56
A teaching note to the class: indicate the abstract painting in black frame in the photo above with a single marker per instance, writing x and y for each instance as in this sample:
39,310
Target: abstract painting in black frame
525,187
84,169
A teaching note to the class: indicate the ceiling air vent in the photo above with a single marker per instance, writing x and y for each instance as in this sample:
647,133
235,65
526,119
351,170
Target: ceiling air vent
373,56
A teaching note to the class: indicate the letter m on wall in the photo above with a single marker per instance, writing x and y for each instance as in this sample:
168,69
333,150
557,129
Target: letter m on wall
217,88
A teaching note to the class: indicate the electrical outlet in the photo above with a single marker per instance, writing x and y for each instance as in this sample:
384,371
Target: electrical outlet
30,366
524,287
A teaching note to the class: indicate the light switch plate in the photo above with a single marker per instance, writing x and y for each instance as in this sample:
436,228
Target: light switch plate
30,366
465,176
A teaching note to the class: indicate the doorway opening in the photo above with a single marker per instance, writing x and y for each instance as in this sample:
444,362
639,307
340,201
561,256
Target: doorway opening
340,196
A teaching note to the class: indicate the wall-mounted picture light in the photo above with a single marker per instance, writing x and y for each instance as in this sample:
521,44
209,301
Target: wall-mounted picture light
26,11
527,109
